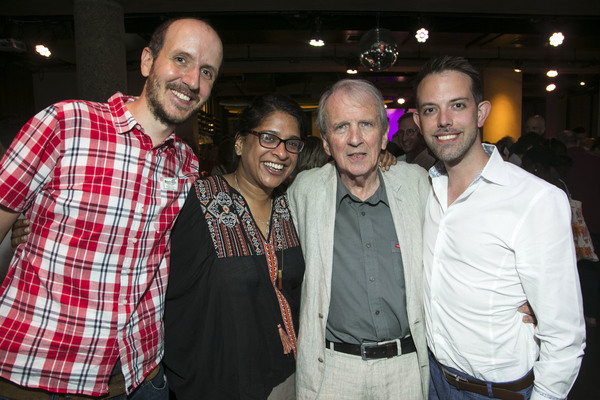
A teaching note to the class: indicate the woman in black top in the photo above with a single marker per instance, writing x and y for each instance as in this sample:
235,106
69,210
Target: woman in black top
236,268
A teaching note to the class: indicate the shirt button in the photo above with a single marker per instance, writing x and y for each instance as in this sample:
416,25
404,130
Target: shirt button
132,240
321,315
362,213
320,359
372,279
368,245
377,312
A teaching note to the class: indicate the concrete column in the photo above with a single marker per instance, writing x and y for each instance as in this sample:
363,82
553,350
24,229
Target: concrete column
503,87
100,48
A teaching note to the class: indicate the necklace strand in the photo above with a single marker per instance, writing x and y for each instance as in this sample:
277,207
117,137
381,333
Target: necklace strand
237,186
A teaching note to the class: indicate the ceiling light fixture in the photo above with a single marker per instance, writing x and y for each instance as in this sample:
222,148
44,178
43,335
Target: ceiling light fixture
316,37
43,50
401,100
556,39
551,87
422,35
552,73
352,66
518,66
582,83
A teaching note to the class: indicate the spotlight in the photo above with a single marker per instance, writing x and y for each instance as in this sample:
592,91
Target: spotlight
582,83
551,87
422,35
556,39
352,67
401,100
43,50
316,37
518,66
552,73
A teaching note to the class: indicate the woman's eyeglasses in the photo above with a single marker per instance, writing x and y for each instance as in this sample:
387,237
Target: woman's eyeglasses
270,141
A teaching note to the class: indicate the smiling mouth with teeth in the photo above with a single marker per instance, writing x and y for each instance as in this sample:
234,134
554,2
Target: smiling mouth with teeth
447,137
180,95
278,167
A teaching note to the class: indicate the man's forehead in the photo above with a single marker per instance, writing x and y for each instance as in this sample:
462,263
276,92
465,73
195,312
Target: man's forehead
342,107
407,121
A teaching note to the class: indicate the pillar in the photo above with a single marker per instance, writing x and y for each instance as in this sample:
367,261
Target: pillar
503,88
100,48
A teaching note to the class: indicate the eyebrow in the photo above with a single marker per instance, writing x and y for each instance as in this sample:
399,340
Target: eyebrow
431,103
459,99
211,67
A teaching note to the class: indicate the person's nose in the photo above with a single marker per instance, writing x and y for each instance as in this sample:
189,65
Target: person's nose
444,118
192,78
280,151
355,137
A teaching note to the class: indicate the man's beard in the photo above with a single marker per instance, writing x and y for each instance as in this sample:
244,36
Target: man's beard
153,89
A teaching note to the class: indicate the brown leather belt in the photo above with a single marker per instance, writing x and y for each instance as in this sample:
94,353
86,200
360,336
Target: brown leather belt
116,387
504,391
375,350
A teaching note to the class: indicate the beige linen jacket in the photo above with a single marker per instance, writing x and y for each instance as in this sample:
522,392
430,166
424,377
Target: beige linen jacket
312,203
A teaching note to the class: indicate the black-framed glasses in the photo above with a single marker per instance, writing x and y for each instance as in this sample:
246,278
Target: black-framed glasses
270,141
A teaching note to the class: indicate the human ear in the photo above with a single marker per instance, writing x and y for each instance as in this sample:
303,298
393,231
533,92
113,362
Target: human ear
146,62
483,110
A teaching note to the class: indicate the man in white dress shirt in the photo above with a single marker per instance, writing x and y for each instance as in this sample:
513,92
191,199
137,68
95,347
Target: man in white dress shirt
494,237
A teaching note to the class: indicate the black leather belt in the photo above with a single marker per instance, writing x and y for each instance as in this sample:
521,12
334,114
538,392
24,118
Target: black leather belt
504,391
375,350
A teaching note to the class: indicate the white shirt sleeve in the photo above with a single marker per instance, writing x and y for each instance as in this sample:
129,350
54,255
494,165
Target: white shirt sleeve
547,267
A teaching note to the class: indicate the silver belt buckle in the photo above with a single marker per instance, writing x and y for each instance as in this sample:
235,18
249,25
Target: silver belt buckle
363,348
457,378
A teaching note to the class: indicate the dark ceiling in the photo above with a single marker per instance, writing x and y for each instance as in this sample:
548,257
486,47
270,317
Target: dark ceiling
266,48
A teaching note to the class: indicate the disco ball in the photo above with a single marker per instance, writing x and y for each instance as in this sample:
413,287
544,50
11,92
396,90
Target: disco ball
378,49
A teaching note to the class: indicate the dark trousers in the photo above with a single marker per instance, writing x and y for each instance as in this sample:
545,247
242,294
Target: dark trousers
440,389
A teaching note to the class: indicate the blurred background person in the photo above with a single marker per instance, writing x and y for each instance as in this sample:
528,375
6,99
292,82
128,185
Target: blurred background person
313,155
413,145
503,145
535,124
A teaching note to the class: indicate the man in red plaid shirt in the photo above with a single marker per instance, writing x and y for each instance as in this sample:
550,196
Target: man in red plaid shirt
81,307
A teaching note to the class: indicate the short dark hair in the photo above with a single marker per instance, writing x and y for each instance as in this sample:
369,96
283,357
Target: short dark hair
408,115
263,106
157,40
451,63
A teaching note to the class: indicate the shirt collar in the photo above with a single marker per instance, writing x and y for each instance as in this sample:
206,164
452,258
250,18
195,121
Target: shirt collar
123,120
379,195
494,170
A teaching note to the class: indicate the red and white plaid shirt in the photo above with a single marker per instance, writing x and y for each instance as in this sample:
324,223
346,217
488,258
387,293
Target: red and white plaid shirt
88,286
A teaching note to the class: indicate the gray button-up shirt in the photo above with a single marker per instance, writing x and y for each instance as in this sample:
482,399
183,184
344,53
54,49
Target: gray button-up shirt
368,300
